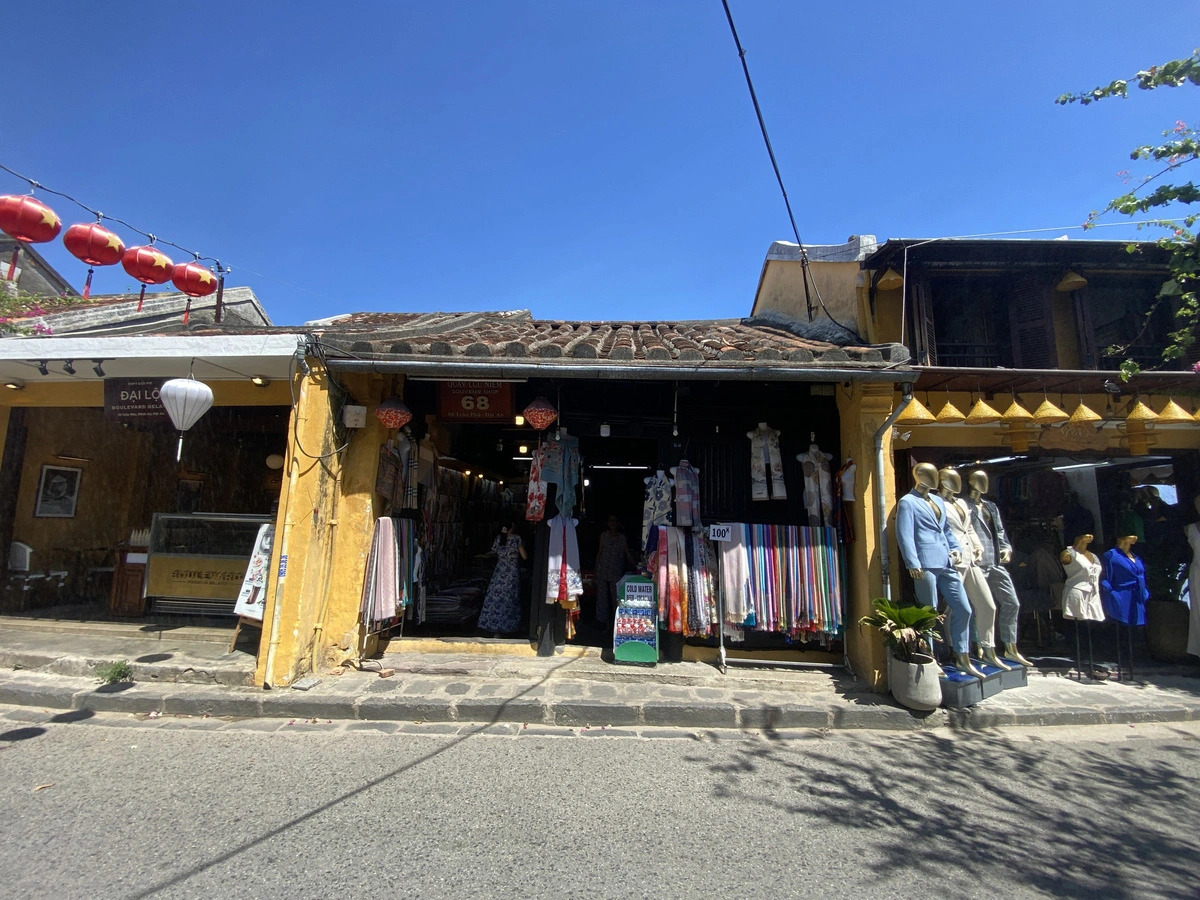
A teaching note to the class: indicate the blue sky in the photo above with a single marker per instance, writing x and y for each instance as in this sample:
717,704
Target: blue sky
580,159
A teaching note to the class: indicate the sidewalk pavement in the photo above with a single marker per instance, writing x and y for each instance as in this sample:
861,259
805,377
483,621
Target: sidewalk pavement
578,689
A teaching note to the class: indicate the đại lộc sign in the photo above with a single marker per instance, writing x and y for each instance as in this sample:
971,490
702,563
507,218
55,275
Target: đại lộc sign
134,400
475,401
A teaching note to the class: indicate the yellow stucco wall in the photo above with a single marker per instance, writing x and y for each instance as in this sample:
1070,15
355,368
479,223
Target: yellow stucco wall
782,289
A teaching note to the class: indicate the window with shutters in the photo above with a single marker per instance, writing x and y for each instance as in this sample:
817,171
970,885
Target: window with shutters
1117,307
1031,322
968,324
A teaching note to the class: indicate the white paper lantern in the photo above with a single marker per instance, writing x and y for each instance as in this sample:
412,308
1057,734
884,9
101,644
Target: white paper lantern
186,400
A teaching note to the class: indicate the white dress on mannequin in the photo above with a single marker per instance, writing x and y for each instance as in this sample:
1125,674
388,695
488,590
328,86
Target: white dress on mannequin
1081,593
1193,536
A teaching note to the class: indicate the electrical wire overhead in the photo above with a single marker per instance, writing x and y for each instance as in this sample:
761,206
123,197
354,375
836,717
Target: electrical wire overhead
779,178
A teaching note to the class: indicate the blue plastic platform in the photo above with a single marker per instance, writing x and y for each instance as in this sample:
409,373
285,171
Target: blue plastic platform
960,690
1017,677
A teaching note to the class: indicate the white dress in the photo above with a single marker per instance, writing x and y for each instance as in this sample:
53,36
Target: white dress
1193,536
1081,593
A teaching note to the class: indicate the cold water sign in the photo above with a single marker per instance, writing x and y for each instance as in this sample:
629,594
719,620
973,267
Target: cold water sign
475,401
133,400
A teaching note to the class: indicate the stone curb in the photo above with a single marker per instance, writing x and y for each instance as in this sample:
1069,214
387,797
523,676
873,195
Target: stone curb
375,708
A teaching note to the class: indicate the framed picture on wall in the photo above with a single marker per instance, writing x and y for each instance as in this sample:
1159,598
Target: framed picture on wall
58,492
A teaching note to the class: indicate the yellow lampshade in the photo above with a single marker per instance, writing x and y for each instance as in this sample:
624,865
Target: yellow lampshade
1049,414
982,414
1017,413
1174,414
915,414
1083,415
890,280
950,414
1072,281
1141,413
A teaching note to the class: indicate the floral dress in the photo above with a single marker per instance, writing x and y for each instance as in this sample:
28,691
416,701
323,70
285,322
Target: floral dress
501,611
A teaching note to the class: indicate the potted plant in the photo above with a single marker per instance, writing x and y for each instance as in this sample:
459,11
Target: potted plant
913,675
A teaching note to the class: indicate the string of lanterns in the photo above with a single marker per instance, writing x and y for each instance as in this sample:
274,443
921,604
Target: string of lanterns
30,221
1021,427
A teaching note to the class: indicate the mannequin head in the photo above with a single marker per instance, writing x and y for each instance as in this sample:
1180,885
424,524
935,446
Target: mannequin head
1081,542
925,475
1126,541
978,481
950,480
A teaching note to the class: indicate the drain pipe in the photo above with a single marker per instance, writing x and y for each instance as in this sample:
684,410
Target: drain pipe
881,494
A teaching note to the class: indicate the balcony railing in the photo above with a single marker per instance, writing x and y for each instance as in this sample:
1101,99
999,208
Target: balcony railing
980,356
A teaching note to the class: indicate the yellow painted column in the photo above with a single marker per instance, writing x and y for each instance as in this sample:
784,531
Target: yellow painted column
863,410
339,633
302,535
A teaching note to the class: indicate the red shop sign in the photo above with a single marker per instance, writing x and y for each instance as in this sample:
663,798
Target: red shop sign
475,401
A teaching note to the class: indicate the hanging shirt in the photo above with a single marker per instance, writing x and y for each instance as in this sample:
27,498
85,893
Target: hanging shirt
656,508
687,495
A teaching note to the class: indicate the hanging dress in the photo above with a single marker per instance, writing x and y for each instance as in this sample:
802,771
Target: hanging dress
1081,593
502,605
656,508
1123,588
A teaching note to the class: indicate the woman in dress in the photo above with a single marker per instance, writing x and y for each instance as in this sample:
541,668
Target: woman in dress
1193,535
501,613
1123,588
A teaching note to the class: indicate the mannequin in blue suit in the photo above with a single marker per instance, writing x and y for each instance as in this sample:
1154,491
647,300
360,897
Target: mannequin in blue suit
930,550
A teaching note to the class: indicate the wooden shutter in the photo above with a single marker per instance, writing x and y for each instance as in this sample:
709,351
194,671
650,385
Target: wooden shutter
1085,332
1031,323
924,340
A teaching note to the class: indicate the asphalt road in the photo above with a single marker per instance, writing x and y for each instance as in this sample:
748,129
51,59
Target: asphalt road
197,809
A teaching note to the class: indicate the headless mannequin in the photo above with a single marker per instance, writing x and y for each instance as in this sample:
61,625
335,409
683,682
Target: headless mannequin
1080,546
997,553
974,581
925,476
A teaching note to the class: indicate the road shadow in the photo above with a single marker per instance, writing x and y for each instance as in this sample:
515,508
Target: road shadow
1089,820
155,657
21,734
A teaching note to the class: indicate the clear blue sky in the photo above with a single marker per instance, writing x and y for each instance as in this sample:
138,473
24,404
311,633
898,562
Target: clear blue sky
580,159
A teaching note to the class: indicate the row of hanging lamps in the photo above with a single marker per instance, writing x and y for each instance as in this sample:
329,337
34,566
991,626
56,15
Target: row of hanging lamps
916,413
28,221
194,280
186,400
1174,414
393,413
149,265
950,414
95,245
982,413
1049,414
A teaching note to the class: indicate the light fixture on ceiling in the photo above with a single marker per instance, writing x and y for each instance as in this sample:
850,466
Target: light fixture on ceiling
275,461
260,380
605,430
98,368
587,482
1071,281
41,367
518,420
523,449
500,445
69,458
69,367
14,384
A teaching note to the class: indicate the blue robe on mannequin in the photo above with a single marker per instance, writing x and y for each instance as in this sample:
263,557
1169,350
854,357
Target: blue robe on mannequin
931,552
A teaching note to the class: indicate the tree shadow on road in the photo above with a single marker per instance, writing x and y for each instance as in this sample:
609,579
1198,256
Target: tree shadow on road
1108,819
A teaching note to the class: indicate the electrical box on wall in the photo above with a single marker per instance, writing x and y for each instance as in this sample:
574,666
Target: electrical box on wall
354,416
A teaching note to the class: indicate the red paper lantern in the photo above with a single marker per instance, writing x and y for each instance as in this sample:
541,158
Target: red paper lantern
149,265
27,219
393,413
540,414
193,279
96,246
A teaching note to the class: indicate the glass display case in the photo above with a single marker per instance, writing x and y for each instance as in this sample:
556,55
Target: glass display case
197,561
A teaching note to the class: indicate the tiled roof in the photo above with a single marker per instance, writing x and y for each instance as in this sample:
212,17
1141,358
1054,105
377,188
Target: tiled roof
517,336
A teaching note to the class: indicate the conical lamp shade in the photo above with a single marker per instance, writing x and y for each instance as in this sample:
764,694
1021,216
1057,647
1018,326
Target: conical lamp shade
982,414
186,400
1049,414
915,414
1141,413
890,280
1017,413
950,414
1083,415
1174,414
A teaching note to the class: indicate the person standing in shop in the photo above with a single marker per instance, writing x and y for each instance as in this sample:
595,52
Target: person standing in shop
501,613
613,560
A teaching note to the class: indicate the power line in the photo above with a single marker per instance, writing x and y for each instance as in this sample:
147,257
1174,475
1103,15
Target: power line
779,178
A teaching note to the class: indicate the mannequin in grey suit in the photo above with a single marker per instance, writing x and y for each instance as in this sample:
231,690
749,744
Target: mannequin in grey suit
985,517
930,551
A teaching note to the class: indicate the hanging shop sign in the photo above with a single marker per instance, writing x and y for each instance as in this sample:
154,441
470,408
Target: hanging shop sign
134,400
475,401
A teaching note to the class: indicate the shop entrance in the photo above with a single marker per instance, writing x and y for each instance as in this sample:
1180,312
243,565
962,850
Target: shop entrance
108,526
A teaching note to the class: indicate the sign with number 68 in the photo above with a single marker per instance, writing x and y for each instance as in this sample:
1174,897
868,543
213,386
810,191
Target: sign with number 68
475,401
